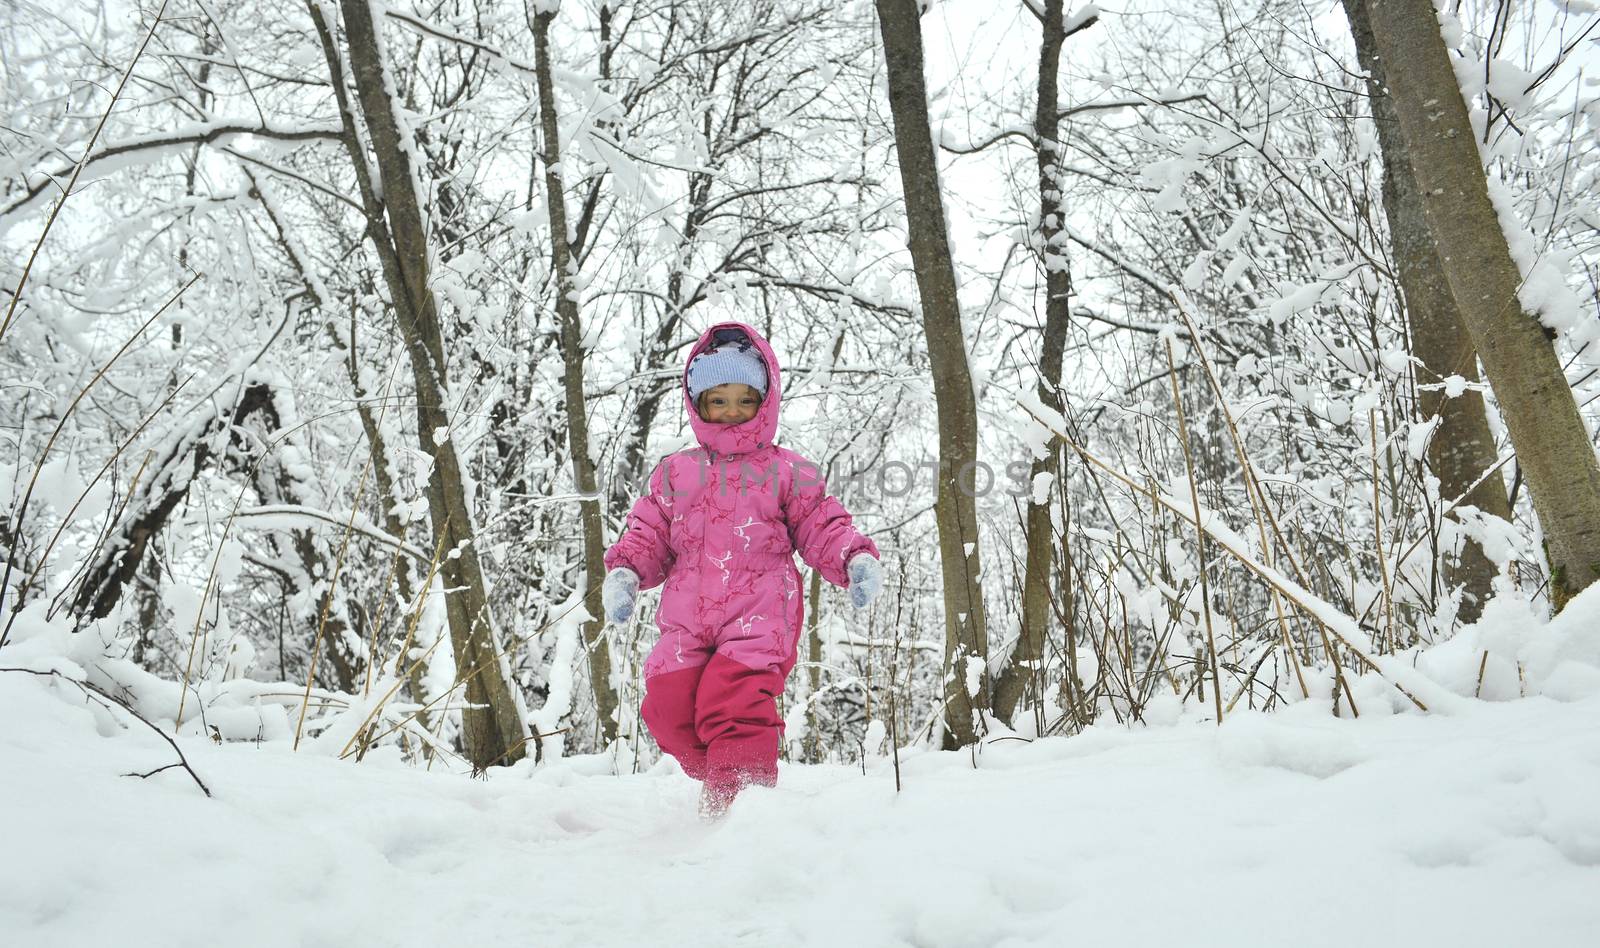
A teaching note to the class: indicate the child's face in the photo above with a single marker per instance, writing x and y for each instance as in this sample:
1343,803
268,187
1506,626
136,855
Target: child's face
730,404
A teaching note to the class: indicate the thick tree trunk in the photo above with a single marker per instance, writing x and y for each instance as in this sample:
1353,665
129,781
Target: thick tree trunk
1550,438
966,637
493,731
1462,448
1024,669
605,695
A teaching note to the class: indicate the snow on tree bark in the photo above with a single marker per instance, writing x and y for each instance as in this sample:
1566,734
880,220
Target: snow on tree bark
561,266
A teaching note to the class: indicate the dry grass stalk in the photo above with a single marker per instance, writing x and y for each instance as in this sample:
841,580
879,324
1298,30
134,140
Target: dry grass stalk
328,597
66,518
1199,534
1377,530
422,597
495,660
1293,592
216,559
377,623
403,674
1262,509
38,468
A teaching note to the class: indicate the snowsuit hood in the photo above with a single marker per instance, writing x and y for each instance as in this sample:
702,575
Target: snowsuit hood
750,436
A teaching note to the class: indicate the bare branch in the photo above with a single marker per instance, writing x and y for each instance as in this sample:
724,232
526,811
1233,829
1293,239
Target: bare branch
197,134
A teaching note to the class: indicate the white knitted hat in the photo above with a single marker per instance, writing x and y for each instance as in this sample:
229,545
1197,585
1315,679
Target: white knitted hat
725,364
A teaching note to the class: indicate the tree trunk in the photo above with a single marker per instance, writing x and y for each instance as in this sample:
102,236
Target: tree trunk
1550,438
594,640
1462,447
1023,670
966,637
493,731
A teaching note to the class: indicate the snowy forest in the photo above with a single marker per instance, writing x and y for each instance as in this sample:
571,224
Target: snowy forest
1218,385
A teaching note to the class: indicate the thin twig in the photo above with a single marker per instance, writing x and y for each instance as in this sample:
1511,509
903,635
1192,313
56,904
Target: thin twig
1199,534
90,689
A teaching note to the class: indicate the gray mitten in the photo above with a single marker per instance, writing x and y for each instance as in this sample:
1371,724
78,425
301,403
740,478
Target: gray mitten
866,579
618,594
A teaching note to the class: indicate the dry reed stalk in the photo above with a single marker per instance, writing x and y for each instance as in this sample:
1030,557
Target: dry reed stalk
422,596
383,599
495,659
338,566
194,637
404,674
1377,530
94,551
227,528
1298,596
377,623
1250,678
377,709
1262,508
894,682
1254,493
1199,533
327,601
117,517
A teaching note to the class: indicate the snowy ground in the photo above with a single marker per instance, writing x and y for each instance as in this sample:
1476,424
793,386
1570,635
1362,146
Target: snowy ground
1480,827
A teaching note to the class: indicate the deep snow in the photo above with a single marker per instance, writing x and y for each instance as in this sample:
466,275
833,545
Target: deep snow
1476,828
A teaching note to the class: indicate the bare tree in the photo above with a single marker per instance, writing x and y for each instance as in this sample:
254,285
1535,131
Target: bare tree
1461,450
1550,437
1025,668
966,638
561,270
492,727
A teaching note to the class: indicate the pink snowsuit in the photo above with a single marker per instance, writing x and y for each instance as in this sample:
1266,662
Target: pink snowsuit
720,526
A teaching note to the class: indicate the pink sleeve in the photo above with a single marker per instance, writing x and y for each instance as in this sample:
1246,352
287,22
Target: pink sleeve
819,526
643,546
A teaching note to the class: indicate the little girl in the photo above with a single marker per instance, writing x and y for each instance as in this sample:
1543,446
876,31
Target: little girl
720,526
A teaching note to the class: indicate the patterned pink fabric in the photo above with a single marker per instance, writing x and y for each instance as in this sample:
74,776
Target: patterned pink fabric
720,527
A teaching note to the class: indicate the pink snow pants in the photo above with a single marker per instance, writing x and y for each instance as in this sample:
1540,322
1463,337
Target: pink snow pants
711,692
